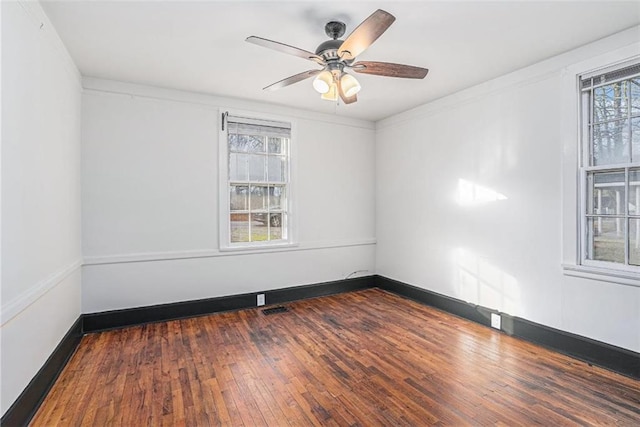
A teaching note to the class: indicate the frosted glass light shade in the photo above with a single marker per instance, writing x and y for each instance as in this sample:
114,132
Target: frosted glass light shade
323,82
350,85
331,94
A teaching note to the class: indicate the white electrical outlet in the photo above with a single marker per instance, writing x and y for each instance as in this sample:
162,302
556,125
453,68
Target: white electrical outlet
260,300
496,321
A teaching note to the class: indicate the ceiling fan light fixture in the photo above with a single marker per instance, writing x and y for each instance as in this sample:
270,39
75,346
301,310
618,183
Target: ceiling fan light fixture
331,94
322,83
350,85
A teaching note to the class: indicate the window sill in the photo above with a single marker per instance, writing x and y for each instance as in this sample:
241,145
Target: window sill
621,277
259,248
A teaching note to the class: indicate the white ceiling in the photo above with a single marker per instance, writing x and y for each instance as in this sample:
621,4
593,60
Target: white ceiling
199,46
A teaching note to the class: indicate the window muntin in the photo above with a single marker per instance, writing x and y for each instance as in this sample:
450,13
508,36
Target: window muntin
258,182
611,169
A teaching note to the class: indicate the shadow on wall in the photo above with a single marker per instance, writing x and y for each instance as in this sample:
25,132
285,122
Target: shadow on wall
479,282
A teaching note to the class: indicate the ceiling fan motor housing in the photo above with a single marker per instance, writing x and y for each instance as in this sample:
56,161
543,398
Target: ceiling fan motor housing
329,50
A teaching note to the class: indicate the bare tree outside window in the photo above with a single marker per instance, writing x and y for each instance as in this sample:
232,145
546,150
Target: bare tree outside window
258,182
611,144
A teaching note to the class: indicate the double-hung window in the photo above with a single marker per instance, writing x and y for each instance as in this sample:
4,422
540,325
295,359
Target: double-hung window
610,169
255,182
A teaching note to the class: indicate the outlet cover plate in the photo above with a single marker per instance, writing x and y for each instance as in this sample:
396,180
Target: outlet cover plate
496,321
260,300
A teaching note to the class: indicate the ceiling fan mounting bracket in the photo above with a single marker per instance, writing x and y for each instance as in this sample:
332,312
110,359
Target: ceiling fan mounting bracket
335,29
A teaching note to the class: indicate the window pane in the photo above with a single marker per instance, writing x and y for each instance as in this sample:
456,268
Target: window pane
238,167
276,169
606,195
258,194
239,228
611,142
276,198
275,229
256,167
586,108
255,144
276,145
634,192
610,101
634,241
606,239
259,227
237,142
635,139
635,96
238,197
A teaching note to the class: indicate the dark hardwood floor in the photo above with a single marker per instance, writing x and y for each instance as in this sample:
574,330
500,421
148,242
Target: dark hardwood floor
362,358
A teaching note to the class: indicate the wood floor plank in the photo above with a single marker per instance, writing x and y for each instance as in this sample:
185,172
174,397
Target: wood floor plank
366,358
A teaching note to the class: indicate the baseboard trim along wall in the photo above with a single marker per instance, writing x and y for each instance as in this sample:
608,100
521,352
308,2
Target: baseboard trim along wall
617,359
95,322
620,360
26,405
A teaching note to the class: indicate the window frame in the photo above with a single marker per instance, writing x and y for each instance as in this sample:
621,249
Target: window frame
575,168
224,183
586,168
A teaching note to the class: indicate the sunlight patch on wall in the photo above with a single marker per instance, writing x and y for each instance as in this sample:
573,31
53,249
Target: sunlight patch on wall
470,193
480,282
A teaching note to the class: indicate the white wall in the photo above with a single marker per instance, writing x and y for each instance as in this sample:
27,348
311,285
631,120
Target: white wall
503,140
41,246
150,202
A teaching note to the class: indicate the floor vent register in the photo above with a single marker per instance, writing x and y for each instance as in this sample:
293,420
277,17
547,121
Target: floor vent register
274,310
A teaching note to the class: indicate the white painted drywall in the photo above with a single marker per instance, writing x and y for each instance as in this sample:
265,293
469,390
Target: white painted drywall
469,203
149,175
29,338
41,245
114,286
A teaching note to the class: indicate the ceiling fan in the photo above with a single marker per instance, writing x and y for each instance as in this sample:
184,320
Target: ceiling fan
336,56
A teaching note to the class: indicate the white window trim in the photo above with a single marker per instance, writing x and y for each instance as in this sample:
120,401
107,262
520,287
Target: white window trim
223,191
572,175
